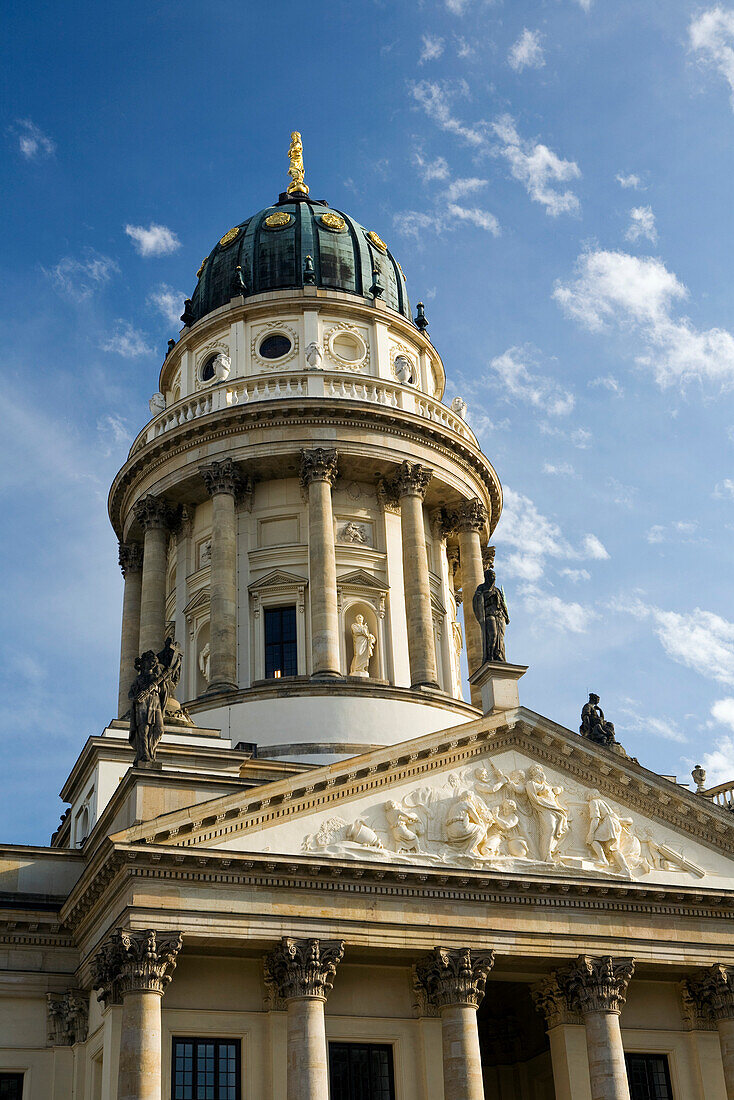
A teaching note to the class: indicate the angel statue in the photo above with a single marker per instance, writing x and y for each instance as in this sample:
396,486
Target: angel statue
296,170
490,609
151,695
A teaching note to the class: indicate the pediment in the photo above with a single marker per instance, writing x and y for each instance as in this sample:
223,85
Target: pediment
277,578
519,797
360,579
198,602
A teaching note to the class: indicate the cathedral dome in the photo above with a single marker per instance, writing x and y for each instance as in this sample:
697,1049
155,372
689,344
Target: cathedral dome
298,242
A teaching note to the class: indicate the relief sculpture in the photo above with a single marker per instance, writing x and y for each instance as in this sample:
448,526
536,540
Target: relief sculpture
518,819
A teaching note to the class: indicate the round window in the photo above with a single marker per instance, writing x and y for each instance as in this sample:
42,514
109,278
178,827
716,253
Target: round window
207,371
348,347
275,346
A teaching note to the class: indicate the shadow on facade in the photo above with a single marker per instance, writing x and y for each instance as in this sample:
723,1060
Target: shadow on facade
516,1060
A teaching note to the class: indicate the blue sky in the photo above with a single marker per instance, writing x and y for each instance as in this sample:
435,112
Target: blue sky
555,178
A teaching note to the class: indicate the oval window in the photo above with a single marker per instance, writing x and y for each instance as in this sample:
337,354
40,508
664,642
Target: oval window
348,347
207,371
275,346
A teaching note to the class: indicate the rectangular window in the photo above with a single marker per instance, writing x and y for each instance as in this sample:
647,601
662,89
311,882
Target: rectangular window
361,1071
281,655
205,1069
11,1086
648,1076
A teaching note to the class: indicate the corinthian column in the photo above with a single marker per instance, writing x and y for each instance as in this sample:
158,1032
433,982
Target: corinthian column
471,518
302,972
137,967
409,485
596,988
566,1039
154,516
131,564
453,981
223,482
318,474
713,993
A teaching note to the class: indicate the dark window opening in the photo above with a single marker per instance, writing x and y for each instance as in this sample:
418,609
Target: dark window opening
205,1069
281,651
361,1071
207,371
648,1076
275,347
11,1086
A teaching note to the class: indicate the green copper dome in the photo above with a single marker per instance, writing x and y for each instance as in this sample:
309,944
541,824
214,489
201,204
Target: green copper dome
298,242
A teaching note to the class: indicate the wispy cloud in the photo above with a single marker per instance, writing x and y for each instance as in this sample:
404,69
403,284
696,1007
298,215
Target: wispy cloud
631,719
639,295
559,469
631,181
168,302
436,100
538,168
608,382
517,370
527,52
679,531
711,36
724,490
415,223
156,240
642,224
78,279
32,142
127,341
432,48
533,538
550,611
700,640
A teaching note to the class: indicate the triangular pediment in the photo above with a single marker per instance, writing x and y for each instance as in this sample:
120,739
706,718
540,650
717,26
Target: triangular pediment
198,602
510,793
360,579
277,578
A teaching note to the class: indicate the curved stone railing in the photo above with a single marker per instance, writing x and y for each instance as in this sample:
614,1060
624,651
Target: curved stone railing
318,384
722,795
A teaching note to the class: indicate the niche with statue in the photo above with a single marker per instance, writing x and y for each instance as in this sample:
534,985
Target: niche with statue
361,634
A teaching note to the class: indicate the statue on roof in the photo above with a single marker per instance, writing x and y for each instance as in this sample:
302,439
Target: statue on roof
594,725
490,609
151,695
295,169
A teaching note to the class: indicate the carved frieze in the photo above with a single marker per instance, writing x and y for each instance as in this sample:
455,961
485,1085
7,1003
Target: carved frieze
319,464
67,1017
135,962
454,976
303,968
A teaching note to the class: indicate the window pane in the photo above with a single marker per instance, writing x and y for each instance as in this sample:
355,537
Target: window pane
11,1086
649,1077
281,656
206,1069
361,1071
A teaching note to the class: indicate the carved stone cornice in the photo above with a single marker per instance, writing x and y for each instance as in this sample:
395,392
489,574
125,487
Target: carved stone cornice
551,999
411,479
471,515
596,984
713,992
135,962
67,1017
319,464
152,511
222,477
130,557
303,968
454,976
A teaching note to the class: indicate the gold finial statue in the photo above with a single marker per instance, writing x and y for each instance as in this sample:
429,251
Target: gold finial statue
296,170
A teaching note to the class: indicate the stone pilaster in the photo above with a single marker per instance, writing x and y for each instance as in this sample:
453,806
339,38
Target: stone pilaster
154,515
67,1016
453,981
566,1038
302,973
409,485
713,994
137,966
318,474
596,988
131,564
223,482
470,520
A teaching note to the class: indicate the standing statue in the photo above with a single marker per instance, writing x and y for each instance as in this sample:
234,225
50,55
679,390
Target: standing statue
594,725
295,169
152,699
205,661
364,647
490,610
605,833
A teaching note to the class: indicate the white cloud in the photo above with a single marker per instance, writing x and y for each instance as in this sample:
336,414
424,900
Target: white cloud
679,531
32,142
414,223
698,639
125,340
725,489
463,49
563,469
538,168
512,368
527,52
437,169
433,47
723,712
168,301
609,382
719,764
156,240
711,35
79,279
576,575
642,224
435,99
114,432
640,295
577,437
473,214
630,181
533,538
585,4
631,720
561,616
624,495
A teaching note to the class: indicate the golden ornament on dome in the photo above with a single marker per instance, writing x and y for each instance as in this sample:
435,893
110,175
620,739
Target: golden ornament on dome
333,221
229,236
376,241
203,265
278,220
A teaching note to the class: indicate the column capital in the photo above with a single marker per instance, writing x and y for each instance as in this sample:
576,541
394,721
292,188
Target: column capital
152,511
713,992
552,1001
319,464
454,976
135,962
411,479
222,477
67,1017
597,984
442,523
471,515
130,557
303,968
